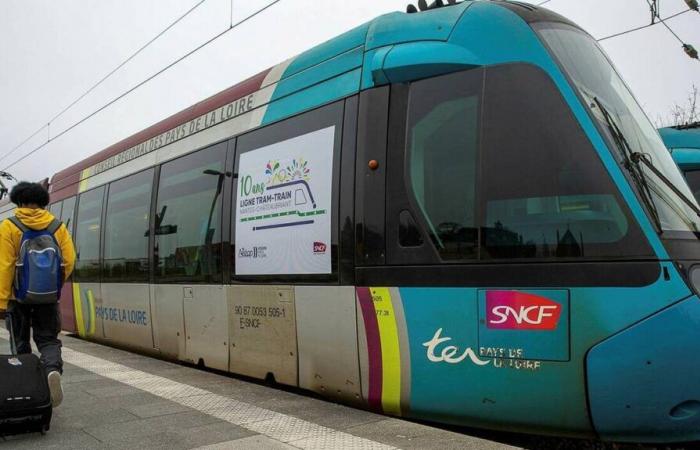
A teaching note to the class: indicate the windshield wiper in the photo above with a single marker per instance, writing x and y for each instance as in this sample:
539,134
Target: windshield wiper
631,165
638,157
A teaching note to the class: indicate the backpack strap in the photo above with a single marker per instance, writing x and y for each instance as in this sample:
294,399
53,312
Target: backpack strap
18,223
54,226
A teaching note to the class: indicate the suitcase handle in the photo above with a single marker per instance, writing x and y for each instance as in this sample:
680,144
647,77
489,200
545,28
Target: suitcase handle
13,345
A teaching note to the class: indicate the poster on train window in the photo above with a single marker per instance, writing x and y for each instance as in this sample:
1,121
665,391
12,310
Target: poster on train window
283,207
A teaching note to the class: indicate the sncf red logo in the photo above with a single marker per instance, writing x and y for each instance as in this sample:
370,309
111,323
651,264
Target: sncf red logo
521,311
319,247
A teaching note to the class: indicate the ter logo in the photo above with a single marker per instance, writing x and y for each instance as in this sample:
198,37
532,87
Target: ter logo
513,310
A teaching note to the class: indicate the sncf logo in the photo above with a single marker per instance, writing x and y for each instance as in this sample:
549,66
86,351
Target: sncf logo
319,247
521,311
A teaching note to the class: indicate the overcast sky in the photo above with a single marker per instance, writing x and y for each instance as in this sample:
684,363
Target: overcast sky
51,51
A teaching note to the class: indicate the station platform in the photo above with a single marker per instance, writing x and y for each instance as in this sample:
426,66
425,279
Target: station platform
120,400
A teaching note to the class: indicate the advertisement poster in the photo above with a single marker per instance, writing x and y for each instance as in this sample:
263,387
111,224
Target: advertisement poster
283,201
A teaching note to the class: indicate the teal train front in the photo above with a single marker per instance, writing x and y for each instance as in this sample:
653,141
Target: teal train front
617,360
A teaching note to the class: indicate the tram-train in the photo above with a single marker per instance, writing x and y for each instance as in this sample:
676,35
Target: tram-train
459,215
683,142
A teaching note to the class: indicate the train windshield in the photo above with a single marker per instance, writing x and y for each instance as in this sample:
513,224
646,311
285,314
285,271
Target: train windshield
614,106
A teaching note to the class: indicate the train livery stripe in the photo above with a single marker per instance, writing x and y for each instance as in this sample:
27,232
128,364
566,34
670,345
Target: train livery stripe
404,349
83,185
391,357
380,311
204,124
374,348
79,322
91,311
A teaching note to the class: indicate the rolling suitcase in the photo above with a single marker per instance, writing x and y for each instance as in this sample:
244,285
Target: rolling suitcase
25,400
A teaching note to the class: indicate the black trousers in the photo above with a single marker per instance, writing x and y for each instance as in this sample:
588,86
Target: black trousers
45,323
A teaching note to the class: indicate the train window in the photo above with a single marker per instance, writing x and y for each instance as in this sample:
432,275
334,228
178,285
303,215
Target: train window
55,209
67,213
545,192
188,217
7,213
442,141
126,228
87,242
693,178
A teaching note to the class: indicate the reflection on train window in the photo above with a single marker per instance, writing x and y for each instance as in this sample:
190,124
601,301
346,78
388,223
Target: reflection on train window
188,217
7,213
552,226
55,209
545,193
693,178
87,242
67,213
443,143
126,228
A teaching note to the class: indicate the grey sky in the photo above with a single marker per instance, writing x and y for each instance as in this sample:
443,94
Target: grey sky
52,51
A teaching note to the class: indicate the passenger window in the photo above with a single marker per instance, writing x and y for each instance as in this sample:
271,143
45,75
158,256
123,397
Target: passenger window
693,178
545,192
87,244
188,217
55,209
67,213
126,228
442,142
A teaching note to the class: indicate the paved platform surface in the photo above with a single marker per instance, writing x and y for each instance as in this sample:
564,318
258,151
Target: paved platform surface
120,400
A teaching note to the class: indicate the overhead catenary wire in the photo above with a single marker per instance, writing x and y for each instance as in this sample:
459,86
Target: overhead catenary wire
655,14
141,83
673,32
621,33
47,126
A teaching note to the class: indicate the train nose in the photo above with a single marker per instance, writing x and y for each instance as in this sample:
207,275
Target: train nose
643,383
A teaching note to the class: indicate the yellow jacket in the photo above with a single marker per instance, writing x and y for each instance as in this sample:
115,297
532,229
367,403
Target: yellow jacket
11,238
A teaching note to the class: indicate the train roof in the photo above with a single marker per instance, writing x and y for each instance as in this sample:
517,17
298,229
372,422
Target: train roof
353,51
685,136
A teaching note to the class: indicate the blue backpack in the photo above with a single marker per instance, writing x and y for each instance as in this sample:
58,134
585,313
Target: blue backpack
39,266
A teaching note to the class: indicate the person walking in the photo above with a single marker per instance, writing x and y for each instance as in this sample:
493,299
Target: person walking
20,300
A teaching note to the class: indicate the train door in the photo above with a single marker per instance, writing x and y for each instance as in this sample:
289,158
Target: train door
189,302
87,296
65,213
285,211
126,306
